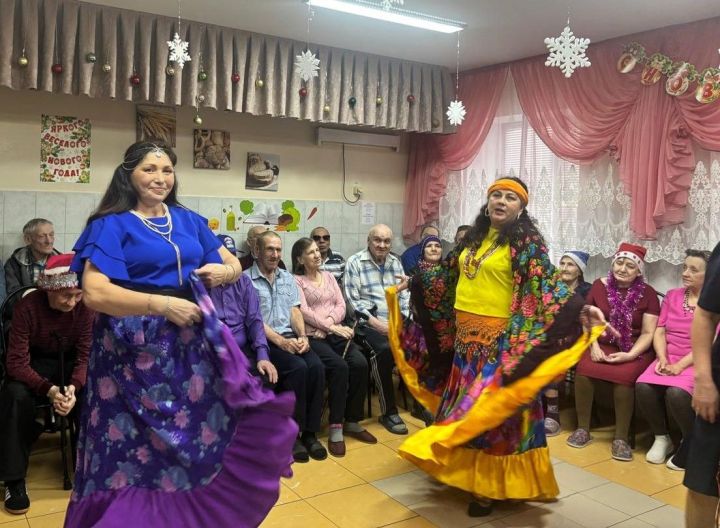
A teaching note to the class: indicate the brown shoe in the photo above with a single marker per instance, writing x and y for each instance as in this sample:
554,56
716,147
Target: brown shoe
337,449
364,436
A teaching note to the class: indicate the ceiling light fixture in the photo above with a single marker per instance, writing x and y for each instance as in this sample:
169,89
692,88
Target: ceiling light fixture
385,12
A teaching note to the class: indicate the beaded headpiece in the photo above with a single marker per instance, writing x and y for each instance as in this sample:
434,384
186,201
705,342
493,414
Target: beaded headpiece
129,163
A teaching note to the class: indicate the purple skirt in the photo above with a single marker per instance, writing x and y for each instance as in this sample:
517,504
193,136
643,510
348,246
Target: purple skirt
174,430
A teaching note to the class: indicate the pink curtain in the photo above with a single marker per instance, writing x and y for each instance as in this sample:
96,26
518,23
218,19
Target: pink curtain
600,110
432,156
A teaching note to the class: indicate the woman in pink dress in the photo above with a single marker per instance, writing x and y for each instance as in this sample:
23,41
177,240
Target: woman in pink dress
668,381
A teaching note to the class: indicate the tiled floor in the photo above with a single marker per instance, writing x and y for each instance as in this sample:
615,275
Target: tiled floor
372,487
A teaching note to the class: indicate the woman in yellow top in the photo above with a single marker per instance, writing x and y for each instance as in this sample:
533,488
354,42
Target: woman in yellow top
493,318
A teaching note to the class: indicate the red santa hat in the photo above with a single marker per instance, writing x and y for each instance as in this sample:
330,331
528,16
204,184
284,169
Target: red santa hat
57,274
632,252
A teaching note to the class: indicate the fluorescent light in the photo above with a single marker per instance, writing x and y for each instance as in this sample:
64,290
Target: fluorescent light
393,14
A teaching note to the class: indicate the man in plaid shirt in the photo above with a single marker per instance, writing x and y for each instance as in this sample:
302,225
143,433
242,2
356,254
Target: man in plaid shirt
367,274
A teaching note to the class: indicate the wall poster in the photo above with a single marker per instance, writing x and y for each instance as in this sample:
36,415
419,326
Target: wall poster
64,149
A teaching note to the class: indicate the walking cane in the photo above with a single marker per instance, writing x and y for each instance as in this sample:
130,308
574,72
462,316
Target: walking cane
358,316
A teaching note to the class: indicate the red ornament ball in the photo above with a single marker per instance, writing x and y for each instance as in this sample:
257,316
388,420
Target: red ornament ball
135,79
303,92
235,78
411,98
57,68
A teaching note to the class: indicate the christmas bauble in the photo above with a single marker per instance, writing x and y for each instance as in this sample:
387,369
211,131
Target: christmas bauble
259,83
235,78
135,79
197,120
170,71
379,101
23,61
435,123
91,58
107,68
326,109
411,98
352,101
202,76
57,68
303,92
200,98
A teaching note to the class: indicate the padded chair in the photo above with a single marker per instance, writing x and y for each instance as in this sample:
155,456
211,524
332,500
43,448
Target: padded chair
53,421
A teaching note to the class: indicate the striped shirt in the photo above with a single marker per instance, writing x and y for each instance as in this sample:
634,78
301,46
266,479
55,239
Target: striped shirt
335,264
365,283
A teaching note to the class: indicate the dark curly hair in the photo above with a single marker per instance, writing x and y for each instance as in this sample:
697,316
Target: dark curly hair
120,195
510,232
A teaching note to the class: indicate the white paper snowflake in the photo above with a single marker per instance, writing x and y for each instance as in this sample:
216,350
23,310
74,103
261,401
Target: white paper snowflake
307,65
178,51
567,52
456,113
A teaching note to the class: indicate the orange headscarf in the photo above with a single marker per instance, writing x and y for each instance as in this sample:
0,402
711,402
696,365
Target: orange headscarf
507,184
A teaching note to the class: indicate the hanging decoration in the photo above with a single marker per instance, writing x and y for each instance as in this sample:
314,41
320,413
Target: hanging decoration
198,101
307,64
91,58
23,60
235,78
106,67
456,111
411,99
680,74
56,67
259,83
178,47
170,70
567,51
135,79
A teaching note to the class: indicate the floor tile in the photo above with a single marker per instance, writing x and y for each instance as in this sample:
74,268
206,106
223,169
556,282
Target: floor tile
14,522
623,499
411,488
450,511
375,462
296,514
360,507
586,512
665,517
47,496
638,475
287,495
633,523
382,434
394,444
575,478
675,496
592,454
415,522
318,477
538,518
44,465
54,520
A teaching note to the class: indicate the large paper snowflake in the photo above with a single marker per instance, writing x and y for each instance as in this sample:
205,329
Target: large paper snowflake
567,52
456,113
178,50
307,65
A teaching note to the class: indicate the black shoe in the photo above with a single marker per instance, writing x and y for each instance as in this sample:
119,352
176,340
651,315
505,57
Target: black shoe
480,509
314,448
300,454
421,413
17,501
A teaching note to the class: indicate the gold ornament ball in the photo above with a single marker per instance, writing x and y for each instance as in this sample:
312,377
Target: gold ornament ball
107,68
259,83
197,120
23,61
379,101
170,71
91,58
435,123
326,109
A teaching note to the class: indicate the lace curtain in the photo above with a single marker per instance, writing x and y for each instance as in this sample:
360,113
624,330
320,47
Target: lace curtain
580,207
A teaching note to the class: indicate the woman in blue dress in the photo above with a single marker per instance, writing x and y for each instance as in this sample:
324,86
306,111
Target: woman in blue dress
174,430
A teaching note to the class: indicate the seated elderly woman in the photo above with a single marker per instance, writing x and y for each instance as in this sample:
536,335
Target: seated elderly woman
632,307
668,381
48,324
346,369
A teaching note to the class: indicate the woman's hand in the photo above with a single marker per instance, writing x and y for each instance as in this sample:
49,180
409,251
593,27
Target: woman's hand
597,354
267,368
620,357
180,311
660,366
705,399
213,275
672,369
64,407
343,331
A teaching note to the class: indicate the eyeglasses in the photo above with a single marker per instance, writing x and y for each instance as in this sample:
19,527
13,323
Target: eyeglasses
318,238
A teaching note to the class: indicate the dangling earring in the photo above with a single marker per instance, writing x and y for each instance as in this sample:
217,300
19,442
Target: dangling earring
487,212
519,215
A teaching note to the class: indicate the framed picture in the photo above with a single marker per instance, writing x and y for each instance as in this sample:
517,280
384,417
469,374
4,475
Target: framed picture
155,121
263,171
211,149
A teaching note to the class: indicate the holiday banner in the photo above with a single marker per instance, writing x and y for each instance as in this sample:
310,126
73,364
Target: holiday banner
65,149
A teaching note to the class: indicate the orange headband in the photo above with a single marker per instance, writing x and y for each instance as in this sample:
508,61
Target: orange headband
507,184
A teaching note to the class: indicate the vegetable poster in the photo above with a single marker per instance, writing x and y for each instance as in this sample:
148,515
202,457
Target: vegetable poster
65,149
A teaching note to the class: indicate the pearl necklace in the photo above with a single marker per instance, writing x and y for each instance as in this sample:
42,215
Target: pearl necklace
165,231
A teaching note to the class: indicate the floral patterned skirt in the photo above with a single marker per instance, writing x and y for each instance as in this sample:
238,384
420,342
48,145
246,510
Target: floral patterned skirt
174,429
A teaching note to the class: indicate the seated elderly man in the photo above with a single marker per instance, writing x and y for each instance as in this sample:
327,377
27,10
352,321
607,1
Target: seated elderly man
238,306
299,368
247,260
412,255
24,266
331,261
46,323
367,274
